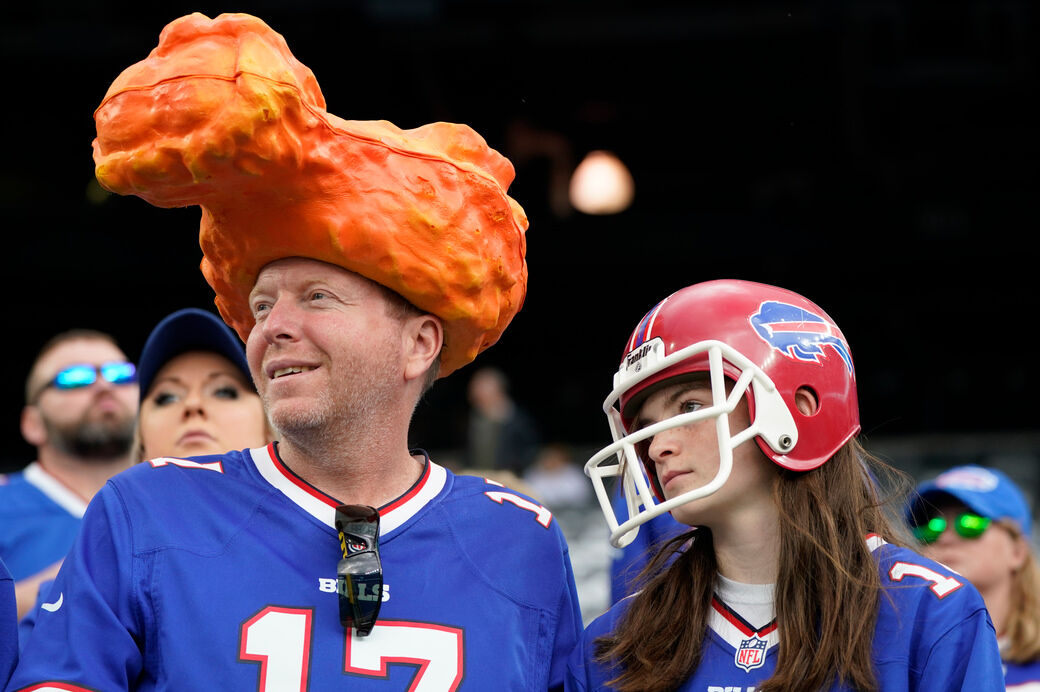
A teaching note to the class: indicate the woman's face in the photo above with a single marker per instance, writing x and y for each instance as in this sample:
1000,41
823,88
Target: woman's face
988,561
687,458
199,403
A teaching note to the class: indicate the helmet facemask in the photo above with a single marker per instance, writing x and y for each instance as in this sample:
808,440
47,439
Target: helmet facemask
771,423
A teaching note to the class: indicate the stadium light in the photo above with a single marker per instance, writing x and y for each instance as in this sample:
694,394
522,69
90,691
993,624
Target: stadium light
601,184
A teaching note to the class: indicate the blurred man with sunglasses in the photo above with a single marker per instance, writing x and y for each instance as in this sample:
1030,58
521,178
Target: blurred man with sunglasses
976,521
81,401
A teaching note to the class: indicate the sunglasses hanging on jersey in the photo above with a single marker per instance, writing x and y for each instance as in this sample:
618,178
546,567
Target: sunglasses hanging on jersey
359,575
965,524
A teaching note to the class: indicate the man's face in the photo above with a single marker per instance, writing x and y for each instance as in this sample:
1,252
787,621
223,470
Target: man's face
91,422
324,349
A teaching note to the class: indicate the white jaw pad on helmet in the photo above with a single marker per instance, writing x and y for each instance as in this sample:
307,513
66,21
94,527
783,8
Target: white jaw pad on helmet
773,423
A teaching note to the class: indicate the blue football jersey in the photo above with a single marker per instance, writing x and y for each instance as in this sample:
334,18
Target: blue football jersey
933,634
39,519
627,563
28,621
8,625
219,573
1022,677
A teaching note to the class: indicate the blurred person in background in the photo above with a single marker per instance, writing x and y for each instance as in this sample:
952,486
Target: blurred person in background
976,521
81,398
197,396
501,435
556,480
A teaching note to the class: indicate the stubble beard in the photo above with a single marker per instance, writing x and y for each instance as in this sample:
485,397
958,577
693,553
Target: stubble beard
301,424
353,410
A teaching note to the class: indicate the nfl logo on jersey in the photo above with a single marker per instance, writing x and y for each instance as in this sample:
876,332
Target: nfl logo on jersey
751,653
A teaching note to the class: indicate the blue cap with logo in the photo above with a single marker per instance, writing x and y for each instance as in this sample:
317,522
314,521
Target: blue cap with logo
186,330
986,491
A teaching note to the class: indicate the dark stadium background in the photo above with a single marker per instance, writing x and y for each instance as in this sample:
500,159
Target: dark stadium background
879,157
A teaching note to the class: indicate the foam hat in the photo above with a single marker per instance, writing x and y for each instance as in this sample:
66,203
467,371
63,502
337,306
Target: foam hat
988,492
222,115
186,330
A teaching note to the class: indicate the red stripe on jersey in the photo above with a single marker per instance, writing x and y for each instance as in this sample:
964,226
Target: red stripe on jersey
297,481
745,628
303,485
412,492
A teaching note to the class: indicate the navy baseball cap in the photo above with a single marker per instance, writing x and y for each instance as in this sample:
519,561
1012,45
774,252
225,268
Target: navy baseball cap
186,330
986,491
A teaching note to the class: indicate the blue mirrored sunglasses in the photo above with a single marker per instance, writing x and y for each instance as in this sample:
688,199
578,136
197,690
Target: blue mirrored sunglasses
77,376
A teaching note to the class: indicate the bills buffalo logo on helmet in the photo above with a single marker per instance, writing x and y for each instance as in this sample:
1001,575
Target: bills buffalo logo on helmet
799,333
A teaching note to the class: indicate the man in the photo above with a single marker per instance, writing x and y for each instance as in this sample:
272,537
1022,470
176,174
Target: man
501,435
81,400
337,557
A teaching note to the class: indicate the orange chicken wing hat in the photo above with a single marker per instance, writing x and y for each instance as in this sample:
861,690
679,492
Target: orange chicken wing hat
220,114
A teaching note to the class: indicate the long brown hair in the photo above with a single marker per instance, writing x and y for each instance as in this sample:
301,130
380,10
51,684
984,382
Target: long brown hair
826,594
1022,629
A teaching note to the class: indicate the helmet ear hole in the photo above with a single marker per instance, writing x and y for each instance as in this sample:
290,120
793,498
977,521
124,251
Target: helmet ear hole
807,401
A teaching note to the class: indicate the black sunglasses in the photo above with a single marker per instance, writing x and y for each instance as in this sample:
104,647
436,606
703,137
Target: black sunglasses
359,575
966,524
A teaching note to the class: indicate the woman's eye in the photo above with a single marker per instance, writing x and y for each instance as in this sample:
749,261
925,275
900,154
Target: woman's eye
164,398
226,392
689,406
319,295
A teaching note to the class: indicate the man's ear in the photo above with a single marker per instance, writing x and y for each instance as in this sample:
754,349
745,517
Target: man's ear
33,429
423,337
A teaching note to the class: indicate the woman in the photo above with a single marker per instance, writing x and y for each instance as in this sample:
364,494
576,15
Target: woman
197,396
736,411
976,521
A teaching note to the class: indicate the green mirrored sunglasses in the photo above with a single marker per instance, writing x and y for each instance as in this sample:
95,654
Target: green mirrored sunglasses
966,524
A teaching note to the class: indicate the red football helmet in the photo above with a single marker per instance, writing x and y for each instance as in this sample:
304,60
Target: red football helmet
769,343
